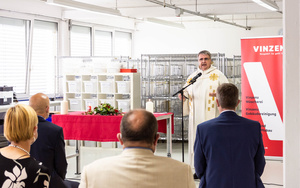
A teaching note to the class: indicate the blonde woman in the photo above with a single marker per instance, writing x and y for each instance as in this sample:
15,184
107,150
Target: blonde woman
17,168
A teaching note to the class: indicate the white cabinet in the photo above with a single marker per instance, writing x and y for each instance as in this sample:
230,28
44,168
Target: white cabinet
121,90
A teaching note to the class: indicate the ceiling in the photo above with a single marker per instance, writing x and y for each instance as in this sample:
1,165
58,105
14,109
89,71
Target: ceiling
231,11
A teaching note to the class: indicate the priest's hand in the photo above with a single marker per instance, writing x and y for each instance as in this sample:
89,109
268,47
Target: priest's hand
180,97
212,94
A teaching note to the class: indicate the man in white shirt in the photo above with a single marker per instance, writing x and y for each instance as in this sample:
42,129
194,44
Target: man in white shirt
202,96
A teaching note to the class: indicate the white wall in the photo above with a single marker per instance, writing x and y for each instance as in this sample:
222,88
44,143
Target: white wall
35,7
291,93
213,36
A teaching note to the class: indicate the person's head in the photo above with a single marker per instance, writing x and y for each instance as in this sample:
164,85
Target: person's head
40,103
204,59
138,128
20,123
227,96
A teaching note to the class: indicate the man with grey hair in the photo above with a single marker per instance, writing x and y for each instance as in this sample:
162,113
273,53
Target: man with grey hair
201,96
137,166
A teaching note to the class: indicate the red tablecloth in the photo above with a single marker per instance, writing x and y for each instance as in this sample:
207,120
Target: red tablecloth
95,127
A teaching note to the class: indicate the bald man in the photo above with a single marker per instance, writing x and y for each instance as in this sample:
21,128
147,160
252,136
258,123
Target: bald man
49,148
137,166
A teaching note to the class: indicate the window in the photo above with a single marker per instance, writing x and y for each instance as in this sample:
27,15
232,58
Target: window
14,62
103,43
122,44
43,61
13,53
80,41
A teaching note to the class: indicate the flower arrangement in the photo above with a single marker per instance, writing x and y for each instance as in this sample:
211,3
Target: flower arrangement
103,109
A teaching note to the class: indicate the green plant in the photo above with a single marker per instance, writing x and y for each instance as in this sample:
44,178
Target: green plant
103,109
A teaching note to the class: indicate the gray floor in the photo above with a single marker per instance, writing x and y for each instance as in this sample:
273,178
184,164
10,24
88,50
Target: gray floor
272,176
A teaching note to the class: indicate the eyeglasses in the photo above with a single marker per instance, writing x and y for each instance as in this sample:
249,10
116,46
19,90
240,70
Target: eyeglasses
201,59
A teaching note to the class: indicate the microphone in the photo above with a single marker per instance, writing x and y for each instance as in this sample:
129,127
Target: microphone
193,80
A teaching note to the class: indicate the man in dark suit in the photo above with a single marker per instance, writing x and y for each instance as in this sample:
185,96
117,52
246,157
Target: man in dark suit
49,148
229,151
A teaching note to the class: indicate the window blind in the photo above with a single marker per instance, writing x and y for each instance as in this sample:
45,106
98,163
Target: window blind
43,61
80,41
103,43
13,58
123,43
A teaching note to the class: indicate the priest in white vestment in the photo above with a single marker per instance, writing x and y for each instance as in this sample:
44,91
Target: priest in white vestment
202,97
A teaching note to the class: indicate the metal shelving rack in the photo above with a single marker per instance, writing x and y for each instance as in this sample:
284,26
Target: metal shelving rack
162,75
233,73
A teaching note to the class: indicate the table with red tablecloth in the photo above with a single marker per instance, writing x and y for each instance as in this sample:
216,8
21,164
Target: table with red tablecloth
99,128
77,126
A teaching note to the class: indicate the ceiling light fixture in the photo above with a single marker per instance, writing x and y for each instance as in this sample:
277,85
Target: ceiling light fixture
164,22
269,4
83,6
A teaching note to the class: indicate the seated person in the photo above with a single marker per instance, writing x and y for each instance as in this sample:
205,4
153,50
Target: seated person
3,141
49,148
137,166
17,167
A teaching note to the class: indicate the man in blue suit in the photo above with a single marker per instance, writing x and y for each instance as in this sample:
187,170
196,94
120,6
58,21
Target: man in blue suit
49,148
229,151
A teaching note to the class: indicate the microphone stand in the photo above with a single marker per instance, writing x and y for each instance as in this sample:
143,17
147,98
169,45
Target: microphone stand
182,123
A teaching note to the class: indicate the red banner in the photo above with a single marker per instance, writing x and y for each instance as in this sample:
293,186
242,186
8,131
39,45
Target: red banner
262,89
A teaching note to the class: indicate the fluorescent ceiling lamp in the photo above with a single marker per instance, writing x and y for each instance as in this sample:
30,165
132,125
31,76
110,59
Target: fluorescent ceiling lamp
269,4
83,6
164,22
